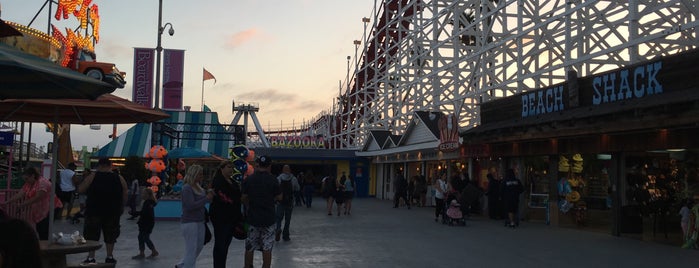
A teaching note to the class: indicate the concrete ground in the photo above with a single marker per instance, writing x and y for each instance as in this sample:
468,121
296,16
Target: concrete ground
377,235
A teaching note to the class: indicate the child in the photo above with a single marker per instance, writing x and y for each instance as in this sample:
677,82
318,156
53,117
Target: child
146,222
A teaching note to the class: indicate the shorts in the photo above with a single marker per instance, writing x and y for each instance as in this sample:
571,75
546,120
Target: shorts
260,238
66,197
107,225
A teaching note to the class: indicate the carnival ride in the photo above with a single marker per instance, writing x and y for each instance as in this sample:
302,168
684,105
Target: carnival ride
452,56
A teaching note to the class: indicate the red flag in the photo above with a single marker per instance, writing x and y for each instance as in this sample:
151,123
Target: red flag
208,76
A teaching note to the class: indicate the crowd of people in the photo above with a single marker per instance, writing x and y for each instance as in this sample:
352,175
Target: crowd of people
501,194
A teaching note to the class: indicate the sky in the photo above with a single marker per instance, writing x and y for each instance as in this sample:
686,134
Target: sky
287,56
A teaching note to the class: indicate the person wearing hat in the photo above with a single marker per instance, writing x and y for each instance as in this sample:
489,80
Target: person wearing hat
260,192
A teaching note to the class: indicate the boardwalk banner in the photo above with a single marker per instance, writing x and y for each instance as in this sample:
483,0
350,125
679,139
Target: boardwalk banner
173,77
143,59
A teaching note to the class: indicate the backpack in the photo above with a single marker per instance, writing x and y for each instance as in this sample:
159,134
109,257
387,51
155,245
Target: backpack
287,191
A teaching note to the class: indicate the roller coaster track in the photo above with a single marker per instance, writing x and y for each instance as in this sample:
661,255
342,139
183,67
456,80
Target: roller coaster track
451,56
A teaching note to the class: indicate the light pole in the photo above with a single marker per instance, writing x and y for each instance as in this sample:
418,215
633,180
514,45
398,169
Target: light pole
159,50
155,127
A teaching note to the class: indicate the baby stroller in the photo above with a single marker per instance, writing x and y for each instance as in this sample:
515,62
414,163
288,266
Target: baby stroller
454,216
451,206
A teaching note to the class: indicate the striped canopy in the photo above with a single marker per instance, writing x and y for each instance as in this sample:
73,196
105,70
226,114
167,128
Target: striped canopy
199,130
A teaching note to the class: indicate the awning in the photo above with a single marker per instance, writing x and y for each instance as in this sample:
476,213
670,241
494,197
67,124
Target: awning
199,130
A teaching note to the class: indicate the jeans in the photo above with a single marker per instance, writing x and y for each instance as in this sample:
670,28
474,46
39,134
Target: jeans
193,233
308,191
144,240
223,235
284,213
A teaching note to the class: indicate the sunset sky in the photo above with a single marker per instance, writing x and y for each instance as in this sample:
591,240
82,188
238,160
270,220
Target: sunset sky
288,56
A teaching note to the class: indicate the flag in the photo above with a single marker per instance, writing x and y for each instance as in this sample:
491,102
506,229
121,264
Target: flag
208,76
206,108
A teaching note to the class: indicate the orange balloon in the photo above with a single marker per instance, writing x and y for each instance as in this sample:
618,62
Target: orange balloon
251,155
250,170
154,188
179,176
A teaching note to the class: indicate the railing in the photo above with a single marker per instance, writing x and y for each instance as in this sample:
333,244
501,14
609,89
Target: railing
13,210
34,151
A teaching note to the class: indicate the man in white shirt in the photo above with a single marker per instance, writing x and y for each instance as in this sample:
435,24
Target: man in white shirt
67,189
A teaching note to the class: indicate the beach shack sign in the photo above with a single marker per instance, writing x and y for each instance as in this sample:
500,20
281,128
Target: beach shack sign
297,142
609,90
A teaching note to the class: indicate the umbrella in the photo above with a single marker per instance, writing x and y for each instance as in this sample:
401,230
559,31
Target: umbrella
185,152
106,109
25,76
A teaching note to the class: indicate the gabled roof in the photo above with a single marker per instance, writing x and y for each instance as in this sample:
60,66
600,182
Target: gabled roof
425,119
376,139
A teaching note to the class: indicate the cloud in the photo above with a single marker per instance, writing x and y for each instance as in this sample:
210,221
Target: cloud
240,38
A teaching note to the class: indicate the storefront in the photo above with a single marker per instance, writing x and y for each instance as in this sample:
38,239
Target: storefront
615,152
423,151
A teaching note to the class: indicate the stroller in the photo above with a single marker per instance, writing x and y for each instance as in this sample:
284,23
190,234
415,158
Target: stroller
452,212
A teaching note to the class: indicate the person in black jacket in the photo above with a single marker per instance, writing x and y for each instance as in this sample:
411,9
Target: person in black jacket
511,189
401,187
224,210
146,222
494,199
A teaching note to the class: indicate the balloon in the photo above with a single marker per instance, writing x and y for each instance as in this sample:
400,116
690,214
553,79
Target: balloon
157,151
250,171
239,151
240,165
156,165
238,176
154,180
251,155
154,188
179,177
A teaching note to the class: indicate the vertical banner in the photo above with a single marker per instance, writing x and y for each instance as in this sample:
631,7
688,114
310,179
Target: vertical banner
143,59
173,77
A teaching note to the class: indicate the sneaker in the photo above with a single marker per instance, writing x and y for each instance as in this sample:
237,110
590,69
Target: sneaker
110,260
89,261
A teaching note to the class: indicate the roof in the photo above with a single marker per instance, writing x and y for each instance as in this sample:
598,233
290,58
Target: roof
200,130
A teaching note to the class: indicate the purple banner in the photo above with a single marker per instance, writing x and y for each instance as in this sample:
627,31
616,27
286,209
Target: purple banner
173,77
143,59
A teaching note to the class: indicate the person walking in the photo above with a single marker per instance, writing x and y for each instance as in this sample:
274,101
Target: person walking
194,199
511,190
349,194
35,193
146,222
494,195
288,183
260,191
421,190
67,182
133,199
328,187
224,211
440,186
106,195
401,188
309,188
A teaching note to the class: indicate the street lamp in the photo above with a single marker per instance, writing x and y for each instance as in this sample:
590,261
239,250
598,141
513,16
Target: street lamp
155,127
159,50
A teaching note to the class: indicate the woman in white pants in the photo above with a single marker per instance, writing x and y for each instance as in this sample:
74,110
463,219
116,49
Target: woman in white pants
194,197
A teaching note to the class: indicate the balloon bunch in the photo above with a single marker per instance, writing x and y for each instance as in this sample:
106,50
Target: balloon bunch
157,153
240,155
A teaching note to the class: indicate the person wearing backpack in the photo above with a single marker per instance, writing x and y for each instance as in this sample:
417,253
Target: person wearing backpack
288,184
